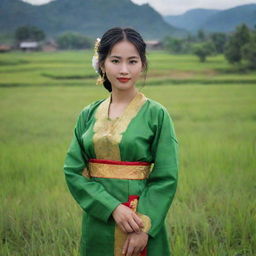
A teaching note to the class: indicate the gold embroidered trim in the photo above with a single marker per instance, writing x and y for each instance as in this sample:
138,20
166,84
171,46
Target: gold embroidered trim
120,238
113,171
134,204
146,222
108,133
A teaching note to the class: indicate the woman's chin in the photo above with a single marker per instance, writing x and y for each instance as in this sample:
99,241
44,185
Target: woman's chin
123,87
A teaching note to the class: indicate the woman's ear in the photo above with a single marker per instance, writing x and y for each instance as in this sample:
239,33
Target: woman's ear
143,67
102,68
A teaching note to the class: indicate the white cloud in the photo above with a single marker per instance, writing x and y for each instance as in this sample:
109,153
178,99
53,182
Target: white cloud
180,6
37,2
177,6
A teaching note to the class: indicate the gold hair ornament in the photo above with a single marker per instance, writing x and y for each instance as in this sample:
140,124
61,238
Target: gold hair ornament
101,79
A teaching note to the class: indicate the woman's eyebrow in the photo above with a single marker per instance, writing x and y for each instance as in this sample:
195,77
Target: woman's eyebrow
119,57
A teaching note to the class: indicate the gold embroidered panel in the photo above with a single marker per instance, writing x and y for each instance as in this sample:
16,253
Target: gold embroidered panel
108,133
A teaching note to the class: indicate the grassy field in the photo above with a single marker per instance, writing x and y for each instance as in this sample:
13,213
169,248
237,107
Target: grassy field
214,112
74,68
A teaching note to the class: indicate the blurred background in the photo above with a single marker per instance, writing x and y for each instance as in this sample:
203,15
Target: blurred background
202,68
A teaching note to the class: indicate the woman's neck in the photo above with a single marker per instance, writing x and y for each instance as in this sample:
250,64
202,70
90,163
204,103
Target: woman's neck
123,97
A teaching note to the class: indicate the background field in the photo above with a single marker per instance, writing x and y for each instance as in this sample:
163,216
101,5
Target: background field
213,108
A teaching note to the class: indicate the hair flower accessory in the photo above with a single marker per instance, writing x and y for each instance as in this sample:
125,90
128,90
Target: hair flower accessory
95,58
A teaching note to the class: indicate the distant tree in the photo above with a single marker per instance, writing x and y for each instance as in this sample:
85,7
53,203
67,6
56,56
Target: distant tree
29,33
235,43
219,40
232,50
71,40
249,52
190,38
176,45
201,35
203,50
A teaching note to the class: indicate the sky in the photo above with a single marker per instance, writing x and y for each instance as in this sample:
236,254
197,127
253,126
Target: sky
173,7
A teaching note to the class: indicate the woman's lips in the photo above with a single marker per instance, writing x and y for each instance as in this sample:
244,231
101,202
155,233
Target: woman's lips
123,79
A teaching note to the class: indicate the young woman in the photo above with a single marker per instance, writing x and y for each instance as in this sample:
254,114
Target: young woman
108,165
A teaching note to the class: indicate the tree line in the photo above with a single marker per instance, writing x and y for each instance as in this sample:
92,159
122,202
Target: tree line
68,40
239,47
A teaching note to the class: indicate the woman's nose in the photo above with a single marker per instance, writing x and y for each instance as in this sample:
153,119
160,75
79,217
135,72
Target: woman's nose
124,69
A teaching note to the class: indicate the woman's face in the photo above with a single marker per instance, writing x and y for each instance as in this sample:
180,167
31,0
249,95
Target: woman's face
123,66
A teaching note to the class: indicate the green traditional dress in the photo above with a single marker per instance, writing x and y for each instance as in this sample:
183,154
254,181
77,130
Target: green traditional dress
143,133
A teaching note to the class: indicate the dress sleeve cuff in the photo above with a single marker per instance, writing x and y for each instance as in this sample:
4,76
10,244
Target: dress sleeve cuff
111,207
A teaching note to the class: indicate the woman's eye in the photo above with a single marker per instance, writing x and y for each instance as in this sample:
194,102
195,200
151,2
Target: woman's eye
133,61
114,61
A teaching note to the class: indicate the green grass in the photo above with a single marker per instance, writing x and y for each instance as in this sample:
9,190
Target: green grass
214,211
74,68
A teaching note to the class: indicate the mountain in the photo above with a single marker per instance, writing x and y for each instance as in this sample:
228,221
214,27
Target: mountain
215,20
89,17
192,19
227,20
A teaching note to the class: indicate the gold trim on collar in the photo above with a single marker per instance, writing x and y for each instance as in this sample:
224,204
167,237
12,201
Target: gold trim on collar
108,132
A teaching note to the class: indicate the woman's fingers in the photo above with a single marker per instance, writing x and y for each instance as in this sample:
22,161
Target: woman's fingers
127,219
134,226
127,227
138,220
135,223
122,227
136,251
134,244
130,249
125,247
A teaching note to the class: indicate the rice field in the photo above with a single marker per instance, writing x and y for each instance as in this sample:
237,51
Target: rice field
214,112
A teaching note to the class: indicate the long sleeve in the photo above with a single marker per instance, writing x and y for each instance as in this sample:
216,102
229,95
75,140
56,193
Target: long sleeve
159,192
89,194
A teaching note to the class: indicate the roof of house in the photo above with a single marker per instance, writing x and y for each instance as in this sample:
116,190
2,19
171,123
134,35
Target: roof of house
152,42
29,44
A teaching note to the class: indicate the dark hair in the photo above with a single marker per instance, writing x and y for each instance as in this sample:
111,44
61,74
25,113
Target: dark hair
115,35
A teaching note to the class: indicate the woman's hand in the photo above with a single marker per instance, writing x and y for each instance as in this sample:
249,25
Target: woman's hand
135,243
126,219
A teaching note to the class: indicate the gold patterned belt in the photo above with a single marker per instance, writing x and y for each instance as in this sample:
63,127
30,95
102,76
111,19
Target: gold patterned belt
101,168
